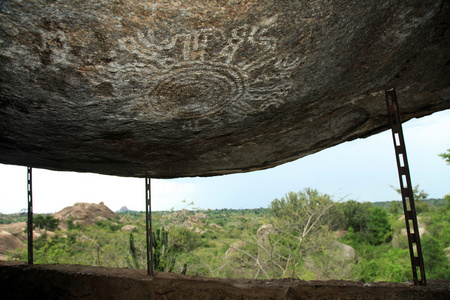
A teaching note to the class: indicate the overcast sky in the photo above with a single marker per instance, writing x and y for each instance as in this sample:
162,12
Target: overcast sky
361,170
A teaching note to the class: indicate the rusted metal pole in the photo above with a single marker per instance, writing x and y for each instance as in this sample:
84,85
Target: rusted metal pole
148,225
30,216
412,228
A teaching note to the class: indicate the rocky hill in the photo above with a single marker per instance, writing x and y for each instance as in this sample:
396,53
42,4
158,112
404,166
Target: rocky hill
124,209
13,236
85,214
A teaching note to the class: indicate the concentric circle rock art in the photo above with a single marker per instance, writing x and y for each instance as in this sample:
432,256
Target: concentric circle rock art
198,74
193,91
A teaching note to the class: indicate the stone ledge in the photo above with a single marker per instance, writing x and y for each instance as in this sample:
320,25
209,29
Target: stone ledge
20,281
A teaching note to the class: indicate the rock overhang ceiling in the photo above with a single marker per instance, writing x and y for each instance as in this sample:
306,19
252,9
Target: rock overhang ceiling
205,88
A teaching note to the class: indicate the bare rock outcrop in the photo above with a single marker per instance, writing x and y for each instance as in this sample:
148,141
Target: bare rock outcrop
85,213
200,88
344,252
447,253
215,226
185,218
201,216
400,238
263,234
234,248
128,228
18,231
8,242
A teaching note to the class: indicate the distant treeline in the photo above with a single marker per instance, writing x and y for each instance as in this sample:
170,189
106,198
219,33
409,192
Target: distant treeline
209,212
437,202
22,216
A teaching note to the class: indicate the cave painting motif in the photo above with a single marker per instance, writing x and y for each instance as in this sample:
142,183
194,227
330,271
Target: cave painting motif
209,71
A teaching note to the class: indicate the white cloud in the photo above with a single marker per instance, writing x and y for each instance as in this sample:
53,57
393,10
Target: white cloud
167,194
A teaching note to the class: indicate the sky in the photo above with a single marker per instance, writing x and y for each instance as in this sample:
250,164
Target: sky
361,170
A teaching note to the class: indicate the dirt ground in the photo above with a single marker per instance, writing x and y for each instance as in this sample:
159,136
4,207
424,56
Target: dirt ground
21,281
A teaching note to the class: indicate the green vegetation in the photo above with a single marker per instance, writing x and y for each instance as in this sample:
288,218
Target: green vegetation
302,235
46,222
297,221
163,257
446,156
13,218
305,234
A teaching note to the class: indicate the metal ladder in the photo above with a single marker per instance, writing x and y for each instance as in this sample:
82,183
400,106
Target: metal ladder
148,224
412,228
30,216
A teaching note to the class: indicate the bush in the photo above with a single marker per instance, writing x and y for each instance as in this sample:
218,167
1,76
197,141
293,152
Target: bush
435,261
108,225
394,265
184,240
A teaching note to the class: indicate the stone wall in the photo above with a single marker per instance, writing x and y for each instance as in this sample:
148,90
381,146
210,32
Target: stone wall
20,281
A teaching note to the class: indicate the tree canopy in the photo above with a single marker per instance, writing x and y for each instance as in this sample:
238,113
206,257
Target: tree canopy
45,222
446,156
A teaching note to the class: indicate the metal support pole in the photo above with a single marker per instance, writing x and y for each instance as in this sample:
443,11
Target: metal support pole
412,228
30,217
148,225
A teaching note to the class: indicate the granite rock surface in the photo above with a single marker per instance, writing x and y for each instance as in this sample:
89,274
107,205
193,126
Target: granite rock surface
207,87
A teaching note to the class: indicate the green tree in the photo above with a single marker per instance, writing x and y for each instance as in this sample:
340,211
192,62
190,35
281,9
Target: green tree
419,197
446,156
356,214
295,217
294,208
395,208
278,249
379,228
45,222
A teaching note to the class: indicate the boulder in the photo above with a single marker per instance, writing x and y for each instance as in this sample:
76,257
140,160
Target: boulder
264,245
16,229
215,226
9,242
420,225
128,228
201,216
235,247
199,88
100,218
344,252
198,230
263,234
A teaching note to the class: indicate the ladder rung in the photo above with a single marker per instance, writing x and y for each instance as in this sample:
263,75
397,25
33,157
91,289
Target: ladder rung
413,238
406,193
408,215
416,262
